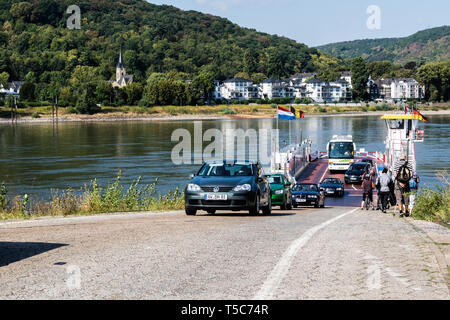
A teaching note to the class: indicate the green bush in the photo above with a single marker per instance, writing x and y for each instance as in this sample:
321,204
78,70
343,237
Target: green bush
227,111
434,204
372,108
71,110
35,115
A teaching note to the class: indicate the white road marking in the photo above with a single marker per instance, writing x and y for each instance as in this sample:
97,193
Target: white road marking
277,275
354,187
325,172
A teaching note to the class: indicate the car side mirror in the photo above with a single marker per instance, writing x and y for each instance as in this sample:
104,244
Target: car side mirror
288,184
322,189
191,176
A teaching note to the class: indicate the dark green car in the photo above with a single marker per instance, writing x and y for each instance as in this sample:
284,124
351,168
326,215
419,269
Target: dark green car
281,190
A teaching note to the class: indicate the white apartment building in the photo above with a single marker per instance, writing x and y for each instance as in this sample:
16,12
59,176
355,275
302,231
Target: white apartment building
12,88
406,88
322,91
236,89
347,76
275,88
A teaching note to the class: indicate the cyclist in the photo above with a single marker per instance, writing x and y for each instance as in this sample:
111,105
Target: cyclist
368,187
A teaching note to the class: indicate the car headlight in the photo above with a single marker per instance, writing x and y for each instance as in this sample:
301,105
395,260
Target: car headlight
193,187
312,196
339,189
279,192
244,187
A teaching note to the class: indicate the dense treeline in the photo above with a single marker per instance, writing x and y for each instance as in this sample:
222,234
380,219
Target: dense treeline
173,54
435,76
37,47
424,46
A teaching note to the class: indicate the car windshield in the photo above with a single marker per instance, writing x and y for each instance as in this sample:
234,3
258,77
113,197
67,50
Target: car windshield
341,150
332,181
358,167
275,179
305,187
226,170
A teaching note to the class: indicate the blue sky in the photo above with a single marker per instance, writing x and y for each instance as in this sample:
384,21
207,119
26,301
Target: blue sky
316,22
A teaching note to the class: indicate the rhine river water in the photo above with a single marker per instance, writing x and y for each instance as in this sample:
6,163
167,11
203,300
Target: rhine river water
35,158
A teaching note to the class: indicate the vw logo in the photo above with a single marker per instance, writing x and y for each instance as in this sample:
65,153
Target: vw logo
216,189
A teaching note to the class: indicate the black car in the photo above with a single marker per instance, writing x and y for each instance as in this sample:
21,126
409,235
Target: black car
307,194
228,185
356,172
332,187
371,162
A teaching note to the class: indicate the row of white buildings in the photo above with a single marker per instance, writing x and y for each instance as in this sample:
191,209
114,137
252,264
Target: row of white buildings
307,85
395,89
303,85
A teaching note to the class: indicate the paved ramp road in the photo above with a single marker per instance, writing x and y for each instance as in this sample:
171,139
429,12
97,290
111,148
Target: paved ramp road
332,253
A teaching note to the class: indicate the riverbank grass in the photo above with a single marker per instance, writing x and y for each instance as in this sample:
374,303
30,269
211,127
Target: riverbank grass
93,199
263,110
433,204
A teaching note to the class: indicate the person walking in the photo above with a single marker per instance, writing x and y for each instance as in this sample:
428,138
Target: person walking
383,182
403,172
414,187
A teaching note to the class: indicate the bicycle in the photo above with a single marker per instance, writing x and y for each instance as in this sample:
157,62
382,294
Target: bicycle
368,202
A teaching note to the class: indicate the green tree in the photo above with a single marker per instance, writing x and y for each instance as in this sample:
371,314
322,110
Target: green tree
86,101
21,10
360,76
27,91
134,93
4,78
250,61
275,66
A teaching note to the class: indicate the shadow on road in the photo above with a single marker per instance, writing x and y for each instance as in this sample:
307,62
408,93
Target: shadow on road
15,251
237,214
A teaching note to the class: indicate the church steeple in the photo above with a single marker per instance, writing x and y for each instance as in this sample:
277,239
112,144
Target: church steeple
121,64
120,68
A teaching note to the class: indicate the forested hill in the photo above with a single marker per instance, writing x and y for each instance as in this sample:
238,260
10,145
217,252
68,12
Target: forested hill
423,46
36,45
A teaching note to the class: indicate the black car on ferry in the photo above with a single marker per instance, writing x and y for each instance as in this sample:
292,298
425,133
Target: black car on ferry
356,172
229,185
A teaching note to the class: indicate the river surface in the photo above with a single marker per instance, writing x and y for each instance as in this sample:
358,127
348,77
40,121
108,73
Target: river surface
37,157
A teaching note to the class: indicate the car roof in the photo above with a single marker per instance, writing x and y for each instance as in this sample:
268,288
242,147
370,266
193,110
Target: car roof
231,161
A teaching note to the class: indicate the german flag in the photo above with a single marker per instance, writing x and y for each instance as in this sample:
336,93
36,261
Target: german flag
299,114
418,116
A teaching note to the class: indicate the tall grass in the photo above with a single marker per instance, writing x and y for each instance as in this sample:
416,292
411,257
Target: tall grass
433,204
92,199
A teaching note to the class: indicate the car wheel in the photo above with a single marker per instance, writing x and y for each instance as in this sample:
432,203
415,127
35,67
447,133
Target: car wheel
295,206
211,211
267,210
289,207
255,210
316,205
191,212
283,206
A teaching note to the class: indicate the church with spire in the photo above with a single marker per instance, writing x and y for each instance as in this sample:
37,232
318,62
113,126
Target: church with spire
122,78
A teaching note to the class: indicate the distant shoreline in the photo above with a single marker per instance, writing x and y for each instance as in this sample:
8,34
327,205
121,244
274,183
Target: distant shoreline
192,117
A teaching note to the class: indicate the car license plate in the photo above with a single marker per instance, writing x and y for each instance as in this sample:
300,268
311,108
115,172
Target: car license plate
301,200
212,196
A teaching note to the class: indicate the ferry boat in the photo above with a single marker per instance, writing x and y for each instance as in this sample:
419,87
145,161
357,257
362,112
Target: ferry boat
302,165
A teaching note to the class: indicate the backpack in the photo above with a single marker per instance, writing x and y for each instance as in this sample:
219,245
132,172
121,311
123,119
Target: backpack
404,173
